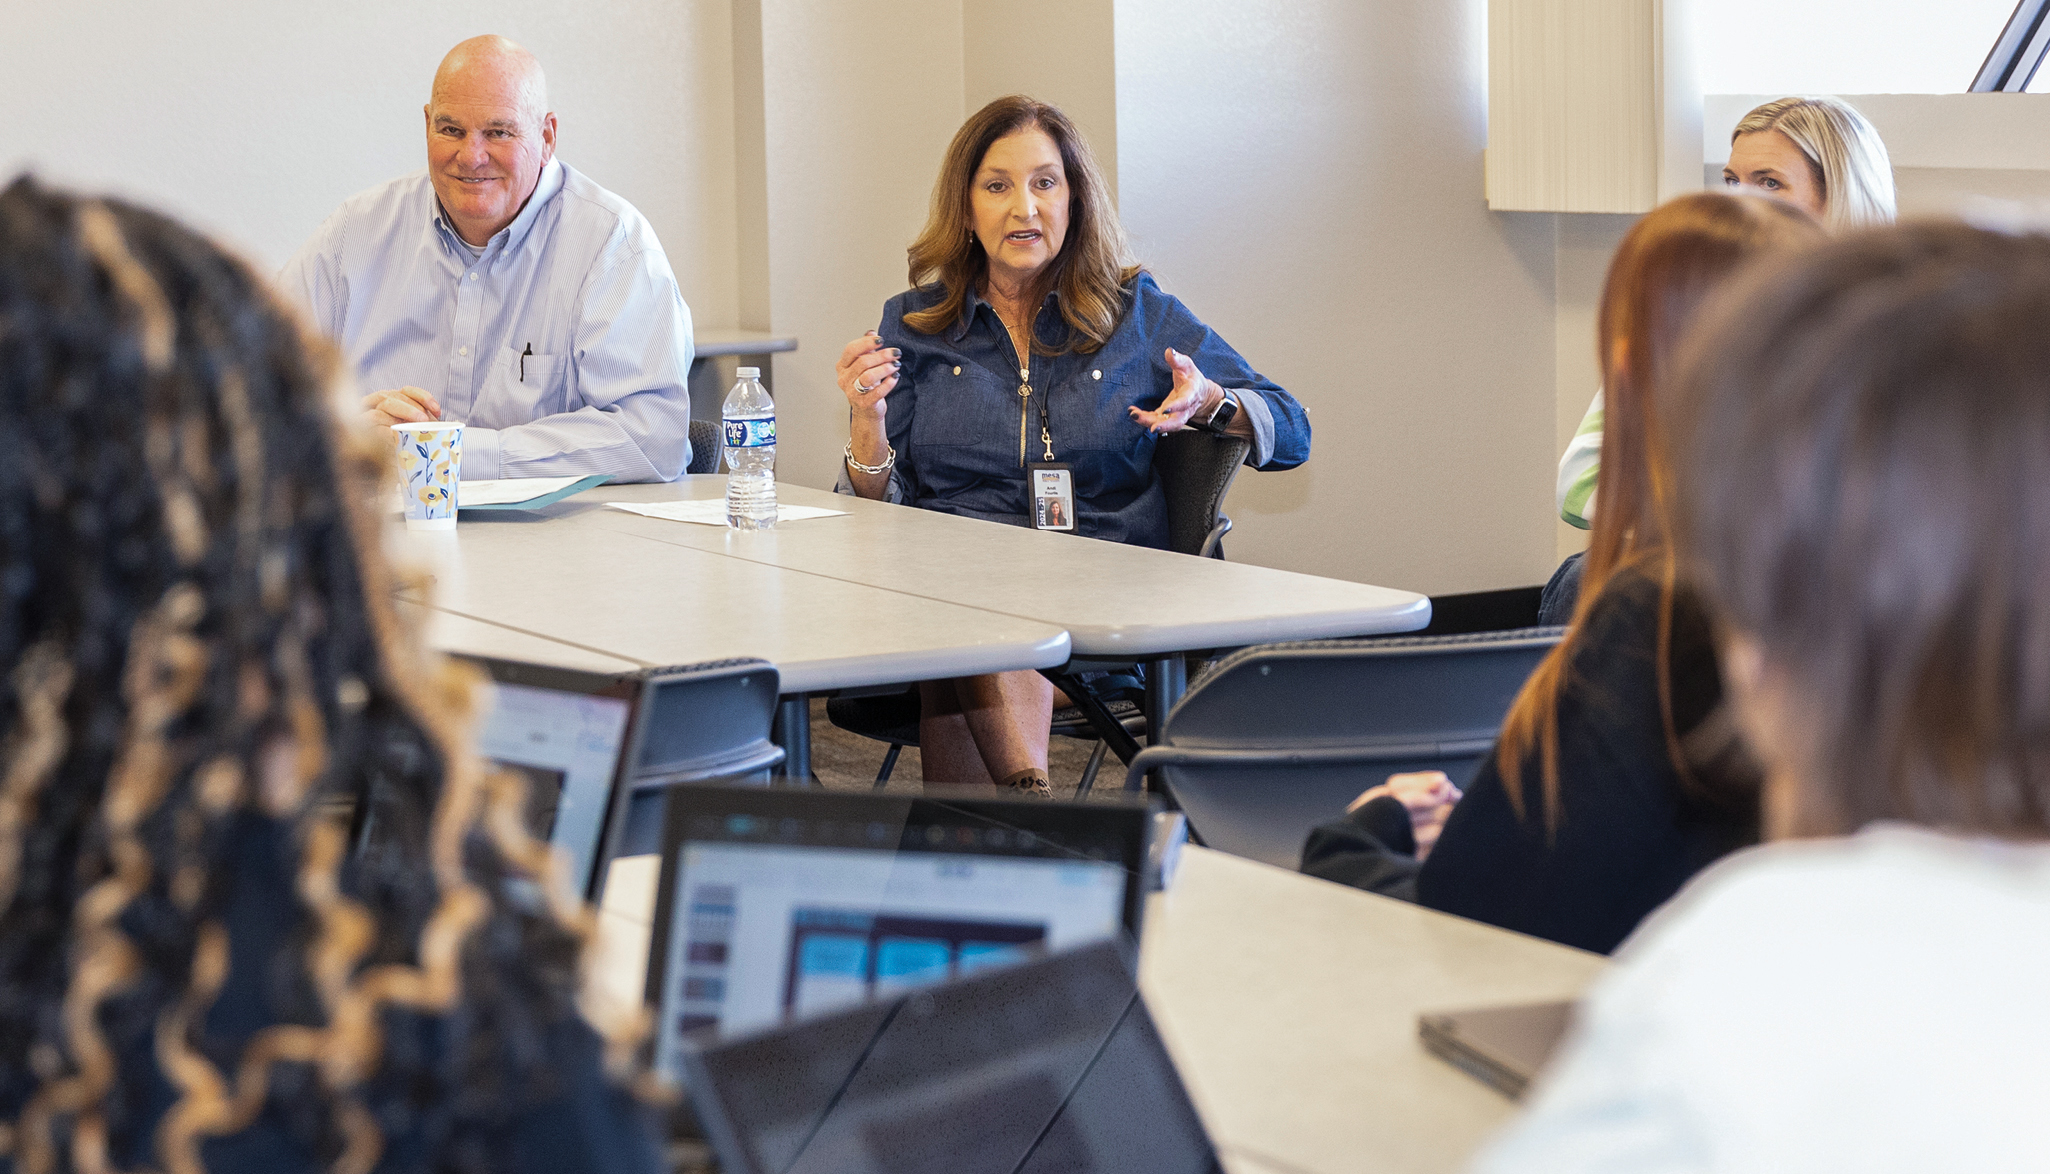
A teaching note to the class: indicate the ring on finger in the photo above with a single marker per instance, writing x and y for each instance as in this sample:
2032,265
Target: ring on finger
864,388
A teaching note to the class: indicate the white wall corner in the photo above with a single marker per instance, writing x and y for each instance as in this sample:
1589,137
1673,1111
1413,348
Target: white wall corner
1680,99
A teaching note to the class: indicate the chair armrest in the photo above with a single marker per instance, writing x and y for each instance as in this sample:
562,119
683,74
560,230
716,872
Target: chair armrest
1155,757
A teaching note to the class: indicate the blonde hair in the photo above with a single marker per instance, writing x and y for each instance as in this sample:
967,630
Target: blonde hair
1843,149
1094,263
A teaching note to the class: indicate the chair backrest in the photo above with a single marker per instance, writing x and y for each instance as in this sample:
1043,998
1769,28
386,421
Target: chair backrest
706,439
1196,469
1278,738
698,723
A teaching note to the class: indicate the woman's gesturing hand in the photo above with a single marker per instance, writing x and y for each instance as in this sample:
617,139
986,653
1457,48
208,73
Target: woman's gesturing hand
1428,796
1193,392
867,372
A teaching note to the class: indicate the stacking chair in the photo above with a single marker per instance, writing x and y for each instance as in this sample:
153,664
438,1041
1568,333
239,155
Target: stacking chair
1196,470
1278,738
696,724
706,439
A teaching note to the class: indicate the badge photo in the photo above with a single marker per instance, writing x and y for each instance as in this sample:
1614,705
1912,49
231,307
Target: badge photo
1053,497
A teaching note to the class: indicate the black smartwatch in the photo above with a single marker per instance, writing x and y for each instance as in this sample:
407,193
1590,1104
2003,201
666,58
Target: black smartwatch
1221,416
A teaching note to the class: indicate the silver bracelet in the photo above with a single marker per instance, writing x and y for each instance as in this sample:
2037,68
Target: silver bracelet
889,462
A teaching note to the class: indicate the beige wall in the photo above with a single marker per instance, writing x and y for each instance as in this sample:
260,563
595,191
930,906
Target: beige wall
1307,177
255,119
1066,55
859,102
1585,244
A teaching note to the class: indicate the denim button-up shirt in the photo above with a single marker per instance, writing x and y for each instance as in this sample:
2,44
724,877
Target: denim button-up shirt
954,416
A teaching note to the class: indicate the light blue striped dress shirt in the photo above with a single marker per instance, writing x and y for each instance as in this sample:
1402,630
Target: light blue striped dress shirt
564,347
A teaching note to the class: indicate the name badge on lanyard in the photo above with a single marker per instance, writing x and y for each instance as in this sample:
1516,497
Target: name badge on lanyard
1053,496
1051,484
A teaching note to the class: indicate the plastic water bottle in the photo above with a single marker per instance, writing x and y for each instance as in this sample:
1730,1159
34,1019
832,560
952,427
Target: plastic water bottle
750,418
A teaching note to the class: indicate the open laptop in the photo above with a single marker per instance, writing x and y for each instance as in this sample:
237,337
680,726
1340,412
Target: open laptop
781,904
1050,1066
565,732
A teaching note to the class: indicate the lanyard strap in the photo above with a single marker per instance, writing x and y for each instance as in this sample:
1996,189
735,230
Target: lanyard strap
1025,394
1045,423
1045,429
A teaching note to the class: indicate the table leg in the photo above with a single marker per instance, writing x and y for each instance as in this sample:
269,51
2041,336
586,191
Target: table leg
792,731
1167,678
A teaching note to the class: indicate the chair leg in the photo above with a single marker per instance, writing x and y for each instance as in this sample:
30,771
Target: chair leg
889,764
1088,782
1107,727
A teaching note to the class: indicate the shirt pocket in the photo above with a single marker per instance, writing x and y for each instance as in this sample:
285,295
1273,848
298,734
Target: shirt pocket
522,388
965,404
1089,411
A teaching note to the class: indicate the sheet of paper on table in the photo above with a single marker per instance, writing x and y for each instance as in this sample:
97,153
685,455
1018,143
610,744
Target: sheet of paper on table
711,511
514,490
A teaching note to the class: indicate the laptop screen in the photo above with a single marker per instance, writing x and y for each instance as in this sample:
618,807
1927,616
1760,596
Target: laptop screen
786,904
564,732
1051,1067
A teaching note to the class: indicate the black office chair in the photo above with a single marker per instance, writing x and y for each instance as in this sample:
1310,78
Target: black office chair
706,439
1196,471
698,723
1278,738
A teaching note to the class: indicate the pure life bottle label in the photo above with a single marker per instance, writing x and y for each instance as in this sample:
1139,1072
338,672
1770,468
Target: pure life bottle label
750,418
750,433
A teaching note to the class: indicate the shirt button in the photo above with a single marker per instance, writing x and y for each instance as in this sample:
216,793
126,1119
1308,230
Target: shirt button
957,370
1096,375
462,350
473,277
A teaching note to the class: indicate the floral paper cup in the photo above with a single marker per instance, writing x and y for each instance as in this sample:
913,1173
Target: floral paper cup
430,457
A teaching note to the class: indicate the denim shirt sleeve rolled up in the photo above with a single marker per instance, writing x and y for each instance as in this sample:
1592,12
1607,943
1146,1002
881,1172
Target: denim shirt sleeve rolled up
964,435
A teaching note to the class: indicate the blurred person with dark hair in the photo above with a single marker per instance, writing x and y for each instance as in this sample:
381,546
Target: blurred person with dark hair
201,670
1859,443
1031,336
1616,776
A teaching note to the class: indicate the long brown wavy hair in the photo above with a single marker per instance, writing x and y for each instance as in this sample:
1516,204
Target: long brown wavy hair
1665,267
196,637
1089,273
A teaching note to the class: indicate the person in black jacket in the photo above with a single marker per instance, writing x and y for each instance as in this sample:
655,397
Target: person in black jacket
201,671
1616,776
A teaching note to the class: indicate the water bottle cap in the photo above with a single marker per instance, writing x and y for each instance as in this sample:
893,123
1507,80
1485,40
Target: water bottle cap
750,372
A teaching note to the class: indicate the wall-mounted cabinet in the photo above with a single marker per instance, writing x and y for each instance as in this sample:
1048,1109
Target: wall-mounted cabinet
1592,105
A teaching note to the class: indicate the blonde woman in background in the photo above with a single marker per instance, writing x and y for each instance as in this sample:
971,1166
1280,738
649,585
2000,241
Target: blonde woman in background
1815,153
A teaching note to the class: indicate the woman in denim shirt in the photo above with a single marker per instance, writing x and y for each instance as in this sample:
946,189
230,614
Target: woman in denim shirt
1030,337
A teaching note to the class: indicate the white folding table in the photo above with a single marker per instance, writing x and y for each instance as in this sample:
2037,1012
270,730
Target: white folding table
549,586
1117,602
1290,1005
879,595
